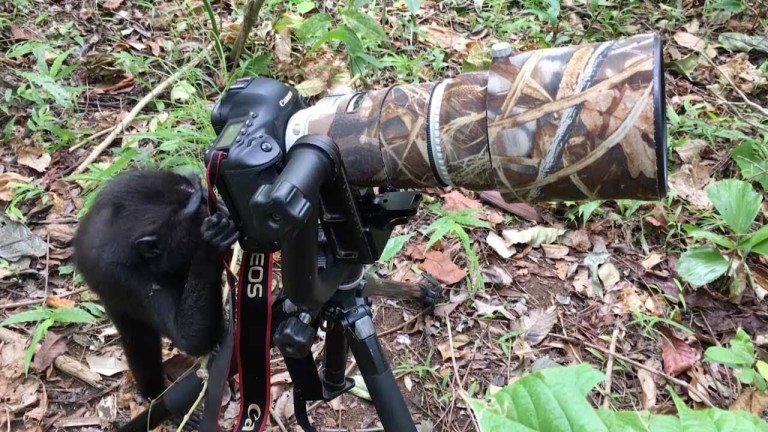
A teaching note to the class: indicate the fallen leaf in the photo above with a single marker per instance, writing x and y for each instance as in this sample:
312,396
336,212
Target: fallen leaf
579,240
647,385
445,38
497,275
594,260
561,269
609,275
7,182
555,251
455,200
751,400
499,245
311,87
439,265
743,42
524,210
651,261
182,91
104,365
284,406
535,236
58,302
445,309
490,310
742,72
16,240
119,84
695,43
689,183
690,151
111,5
283,46
677,355
459,341
407,381
538,323
415,251
581,283
18,33
52,346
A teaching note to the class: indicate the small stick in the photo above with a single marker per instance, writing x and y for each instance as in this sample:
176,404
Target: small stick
609,368
91,138
252,9
640,365
35,301
134,112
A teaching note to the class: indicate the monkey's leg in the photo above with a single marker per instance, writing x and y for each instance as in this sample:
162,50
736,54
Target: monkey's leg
144,353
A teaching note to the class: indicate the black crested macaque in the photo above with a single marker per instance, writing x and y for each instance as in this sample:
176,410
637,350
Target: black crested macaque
150,251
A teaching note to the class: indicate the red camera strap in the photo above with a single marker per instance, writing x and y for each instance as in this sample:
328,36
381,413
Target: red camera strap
247,336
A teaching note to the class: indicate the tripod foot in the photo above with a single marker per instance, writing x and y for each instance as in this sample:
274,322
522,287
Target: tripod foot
430,290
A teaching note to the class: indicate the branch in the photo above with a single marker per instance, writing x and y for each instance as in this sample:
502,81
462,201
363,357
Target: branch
120,127
252,9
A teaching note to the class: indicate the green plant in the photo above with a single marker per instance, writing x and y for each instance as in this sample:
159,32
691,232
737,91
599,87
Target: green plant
455,222
46,318
740,356
554,400
22,192
737,204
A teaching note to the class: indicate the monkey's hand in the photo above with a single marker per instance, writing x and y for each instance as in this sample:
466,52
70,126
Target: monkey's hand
219,231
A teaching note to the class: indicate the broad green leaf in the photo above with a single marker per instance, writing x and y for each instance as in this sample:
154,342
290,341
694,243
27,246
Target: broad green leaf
746,375
182,91
305,7
342,34
71,315
394,244
313,26
32,315
471,221
700,266
743,42
726,356
752,166
761,248
754,239
697,232
736,201
554,400
62,95
363,24
413,6
762,368
40,331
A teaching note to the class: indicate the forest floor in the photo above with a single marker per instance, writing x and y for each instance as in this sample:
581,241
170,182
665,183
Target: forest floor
592,282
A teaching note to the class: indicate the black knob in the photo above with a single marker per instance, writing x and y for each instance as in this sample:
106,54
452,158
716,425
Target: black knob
294,338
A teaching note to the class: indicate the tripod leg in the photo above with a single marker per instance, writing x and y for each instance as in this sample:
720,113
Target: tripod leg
386,395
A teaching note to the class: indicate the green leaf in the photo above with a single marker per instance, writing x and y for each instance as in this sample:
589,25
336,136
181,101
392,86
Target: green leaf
32,315
62,95
305,7
736,201
752,166
554,400
413,6
71,315
762,368
394,244
182,91
342,34
743,42
761,248
363,24
726,356
746,375
700,266
439,228
697,232
313,26
40,331
754,239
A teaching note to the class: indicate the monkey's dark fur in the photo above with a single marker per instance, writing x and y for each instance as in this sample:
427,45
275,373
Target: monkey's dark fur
154,257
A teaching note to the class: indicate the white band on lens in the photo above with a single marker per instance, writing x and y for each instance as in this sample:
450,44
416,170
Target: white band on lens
438,158
298,125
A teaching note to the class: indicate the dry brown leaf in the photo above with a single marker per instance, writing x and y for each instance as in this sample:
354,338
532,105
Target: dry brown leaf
111,5
751,400
695,43
690,151
609,276
439,265
555,251
58,302
415,251
488,309
651,261
6,180
311,87
648,387
455,200
445,309
497,275
459,340
677,355
538,323
743,73
561,269
524,210
61,233
689,182
446,38
579,240
581,283
52,346
283,46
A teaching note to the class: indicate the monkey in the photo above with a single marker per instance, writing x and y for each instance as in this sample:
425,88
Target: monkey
148,248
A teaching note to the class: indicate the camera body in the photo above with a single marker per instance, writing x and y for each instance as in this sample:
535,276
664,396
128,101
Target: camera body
250,121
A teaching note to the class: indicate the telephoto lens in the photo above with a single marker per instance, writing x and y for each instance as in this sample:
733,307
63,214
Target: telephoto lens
581,122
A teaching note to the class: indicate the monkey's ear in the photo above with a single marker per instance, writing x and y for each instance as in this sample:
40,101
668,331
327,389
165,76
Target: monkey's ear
148,246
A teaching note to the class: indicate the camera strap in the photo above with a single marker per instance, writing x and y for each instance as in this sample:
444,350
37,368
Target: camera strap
247,335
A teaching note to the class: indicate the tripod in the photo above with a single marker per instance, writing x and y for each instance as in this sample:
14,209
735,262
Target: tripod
326,234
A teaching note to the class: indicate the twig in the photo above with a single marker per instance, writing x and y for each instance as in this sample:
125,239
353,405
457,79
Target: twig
202,372
609,368
278,421
35,301
639,365
47,265
91,138
135,111
252,9
755,106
